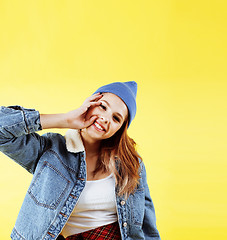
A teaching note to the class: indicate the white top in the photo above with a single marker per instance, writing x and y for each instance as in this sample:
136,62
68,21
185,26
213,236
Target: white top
96,207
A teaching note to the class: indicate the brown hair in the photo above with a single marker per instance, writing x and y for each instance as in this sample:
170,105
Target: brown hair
118,154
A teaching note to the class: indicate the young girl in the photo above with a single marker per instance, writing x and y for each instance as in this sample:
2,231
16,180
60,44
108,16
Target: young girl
90,183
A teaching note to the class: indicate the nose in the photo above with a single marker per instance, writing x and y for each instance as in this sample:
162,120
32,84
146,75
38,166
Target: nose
104,119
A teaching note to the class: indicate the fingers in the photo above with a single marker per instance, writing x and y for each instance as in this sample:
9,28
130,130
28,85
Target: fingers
91,101
90,121
93,104
94,97
88,105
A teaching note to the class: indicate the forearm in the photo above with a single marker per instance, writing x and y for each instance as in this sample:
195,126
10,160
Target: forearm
54,121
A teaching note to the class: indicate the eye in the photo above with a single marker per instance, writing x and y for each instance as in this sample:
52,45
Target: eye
103,107
116,118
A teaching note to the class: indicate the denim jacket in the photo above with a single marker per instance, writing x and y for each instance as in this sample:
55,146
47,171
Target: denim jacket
59,175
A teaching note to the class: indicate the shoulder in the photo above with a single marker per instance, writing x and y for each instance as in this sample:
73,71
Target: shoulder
55,140
142,167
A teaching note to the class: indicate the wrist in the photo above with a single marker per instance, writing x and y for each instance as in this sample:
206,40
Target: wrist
53,121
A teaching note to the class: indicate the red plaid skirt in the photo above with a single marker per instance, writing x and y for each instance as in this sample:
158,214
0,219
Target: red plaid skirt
106,232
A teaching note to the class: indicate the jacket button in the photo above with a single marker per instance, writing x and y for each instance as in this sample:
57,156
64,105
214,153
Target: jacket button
122,203
125,224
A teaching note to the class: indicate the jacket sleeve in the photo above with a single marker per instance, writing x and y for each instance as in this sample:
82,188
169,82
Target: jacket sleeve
149,222
18,139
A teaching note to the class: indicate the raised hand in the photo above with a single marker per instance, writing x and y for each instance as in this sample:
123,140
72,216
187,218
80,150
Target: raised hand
75,119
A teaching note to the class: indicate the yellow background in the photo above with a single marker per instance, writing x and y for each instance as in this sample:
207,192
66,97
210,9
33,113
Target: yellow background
53,54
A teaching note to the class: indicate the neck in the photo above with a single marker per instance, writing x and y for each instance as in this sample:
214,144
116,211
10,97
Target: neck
91,146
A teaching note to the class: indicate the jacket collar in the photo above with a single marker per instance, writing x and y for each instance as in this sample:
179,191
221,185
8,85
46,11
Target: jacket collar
74,141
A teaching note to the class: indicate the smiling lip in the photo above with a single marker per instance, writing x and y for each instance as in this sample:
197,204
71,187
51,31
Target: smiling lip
98,126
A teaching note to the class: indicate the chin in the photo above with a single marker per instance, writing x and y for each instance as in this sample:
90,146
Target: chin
92,134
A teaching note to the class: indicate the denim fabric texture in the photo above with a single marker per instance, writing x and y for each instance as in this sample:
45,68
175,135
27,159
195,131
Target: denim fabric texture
59,177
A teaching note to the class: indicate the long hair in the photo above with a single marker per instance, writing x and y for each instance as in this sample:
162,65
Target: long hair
118,155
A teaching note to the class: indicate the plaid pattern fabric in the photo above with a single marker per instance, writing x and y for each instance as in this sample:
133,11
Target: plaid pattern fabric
106,232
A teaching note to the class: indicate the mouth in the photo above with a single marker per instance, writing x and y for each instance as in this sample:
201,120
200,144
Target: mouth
99,127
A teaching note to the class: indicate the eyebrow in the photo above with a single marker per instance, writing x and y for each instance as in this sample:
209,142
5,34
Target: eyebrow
117,113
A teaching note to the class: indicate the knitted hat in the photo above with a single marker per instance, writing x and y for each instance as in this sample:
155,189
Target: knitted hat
126,91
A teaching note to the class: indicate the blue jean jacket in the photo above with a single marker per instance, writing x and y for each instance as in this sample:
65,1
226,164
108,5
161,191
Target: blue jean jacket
59,176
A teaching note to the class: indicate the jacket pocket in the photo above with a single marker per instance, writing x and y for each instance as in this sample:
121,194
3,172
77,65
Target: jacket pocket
48,186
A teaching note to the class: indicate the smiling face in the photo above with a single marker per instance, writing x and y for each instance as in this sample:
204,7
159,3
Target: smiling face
112,113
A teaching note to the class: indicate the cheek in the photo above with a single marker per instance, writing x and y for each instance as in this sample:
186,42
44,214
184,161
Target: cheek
116,128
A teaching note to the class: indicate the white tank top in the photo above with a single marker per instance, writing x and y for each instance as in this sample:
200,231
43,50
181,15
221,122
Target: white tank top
96,207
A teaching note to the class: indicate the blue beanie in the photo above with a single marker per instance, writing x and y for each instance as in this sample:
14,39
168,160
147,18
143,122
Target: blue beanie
126,91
